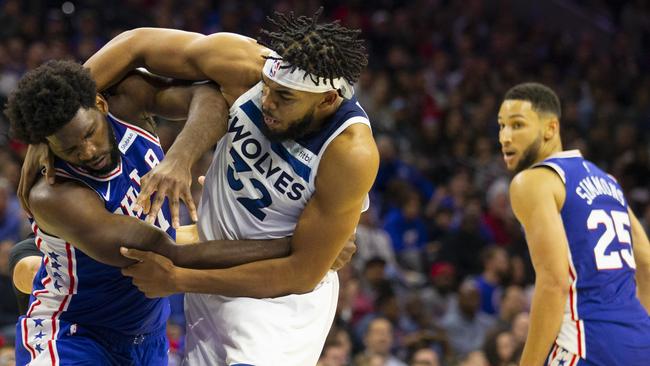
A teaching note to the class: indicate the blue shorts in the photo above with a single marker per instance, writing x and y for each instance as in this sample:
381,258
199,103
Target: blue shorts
75,345
608,344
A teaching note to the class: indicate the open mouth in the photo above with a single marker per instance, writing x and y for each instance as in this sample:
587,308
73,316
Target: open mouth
508,156
271,122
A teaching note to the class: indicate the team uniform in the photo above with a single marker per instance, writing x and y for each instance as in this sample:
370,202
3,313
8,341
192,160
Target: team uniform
83,312
257,189
604,322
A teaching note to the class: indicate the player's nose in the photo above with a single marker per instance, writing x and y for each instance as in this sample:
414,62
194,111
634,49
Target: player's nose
267,103
87,152
505,136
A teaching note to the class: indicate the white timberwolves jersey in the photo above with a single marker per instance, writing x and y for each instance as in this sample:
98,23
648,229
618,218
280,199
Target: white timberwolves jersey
257,189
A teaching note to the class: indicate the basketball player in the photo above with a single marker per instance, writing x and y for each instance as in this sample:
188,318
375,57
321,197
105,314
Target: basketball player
584,241
82,309
298,158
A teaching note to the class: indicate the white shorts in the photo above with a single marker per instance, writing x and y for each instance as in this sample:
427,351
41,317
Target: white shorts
288,330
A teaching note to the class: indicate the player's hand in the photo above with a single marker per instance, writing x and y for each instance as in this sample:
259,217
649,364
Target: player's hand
345,255
153,274
38,157
168,179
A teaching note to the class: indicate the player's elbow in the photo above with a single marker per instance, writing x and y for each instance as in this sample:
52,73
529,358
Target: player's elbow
551,284
133,40
302,287
306,279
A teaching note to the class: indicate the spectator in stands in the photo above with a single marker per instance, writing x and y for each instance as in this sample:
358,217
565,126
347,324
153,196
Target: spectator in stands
465,324
425,357
513,303
378,340
11,218
8,303
501,349
495,267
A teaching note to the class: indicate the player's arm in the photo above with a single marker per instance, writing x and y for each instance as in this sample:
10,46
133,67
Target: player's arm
229,59
206,113
641,248
537,196
75,213
324,226
24,261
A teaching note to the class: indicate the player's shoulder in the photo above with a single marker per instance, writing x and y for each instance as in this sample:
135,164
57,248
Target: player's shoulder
353,155
537,183
356,143
231,59
533,176
44,196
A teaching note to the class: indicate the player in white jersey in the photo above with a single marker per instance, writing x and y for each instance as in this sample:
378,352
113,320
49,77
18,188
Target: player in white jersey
298,158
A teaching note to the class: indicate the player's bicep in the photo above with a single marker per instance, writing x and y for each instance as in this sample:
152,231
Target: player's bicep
167,52
231,60
175,102
321,233
77,215
533,195
332,214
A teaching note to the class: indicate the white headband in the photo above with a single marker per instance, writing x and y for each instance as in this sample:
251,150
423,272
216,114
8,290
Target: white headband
278,70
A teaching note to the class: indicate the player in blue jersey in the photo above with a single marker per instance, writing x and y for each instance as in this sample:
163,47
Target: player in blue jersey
585,243
82,310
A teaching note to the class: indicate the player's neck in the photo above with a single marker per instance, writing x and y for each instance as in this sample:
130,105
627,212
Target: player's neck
549,148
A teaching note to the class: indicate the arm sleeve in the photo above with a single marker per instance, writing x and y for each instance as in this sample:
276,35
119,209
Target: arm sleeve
25,248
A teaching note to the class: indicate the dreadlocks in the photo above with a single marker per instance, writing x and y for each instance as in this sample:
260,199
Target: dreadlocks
325,50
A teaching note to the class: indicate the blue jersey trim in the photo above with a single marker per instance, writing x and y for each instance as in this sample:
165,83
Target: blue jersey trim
298,166
348,109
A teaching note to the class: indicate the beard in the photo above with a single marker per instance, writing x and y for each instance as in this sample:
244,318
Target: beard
114,157
529,155
295,130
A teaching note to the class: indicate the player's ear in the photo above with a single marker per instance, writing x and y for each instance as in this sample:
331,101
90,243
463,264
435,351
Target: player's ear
328,99
101,104
552,127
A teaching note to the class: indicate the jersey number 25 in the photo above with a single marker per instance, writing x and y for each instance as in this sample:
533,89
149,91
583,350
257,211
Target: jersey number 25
616,227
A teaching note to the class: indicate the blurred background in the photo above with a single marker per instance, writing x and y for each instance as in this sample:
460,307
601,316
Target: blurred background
442,274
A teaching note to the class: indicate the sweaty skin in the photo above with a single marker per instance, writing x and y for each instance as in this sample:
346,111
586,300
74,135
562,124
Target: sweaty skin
67,209
235,63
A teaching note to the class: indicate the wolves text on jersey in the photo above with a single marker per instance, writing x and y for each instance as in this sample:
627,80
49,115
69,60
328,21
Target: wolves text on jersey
247,148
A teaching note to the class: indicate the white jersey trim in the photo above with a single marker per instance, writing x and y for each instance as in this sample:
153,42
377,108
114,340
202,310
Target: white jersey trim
553,166
566,154
139,130
349,122
572,332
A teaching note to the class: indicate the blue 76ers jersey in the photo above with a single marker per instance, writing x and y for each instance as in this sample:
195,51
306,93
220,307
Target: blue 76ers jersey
72,287
604,322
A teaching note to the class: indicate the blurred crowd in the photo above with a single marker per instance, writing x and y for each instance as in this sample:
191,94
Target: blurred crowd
442,274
